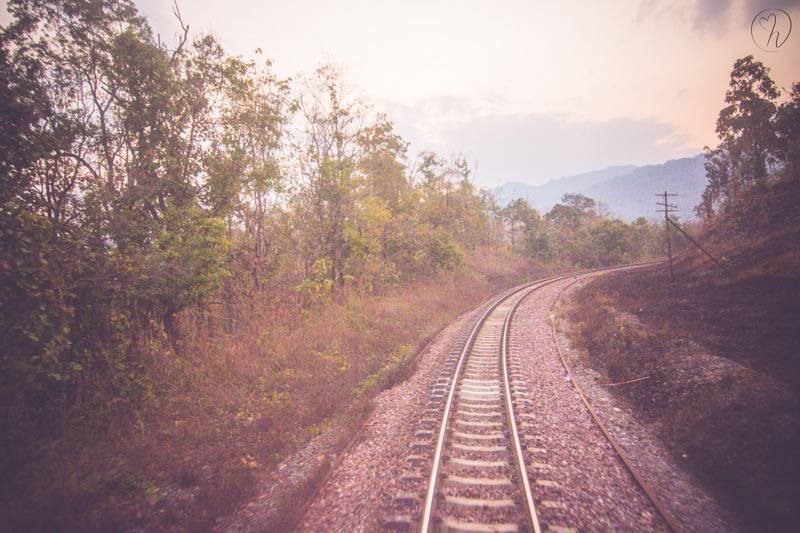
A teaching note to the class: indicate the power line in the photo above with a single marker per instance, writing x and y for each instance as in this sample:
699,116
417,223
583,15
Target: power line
671,208
716,261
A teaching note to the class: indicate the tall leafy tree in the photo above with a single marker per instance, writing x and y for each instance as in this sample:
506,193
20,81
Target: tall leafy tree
521,219
746,130
572,209
325,201
788,132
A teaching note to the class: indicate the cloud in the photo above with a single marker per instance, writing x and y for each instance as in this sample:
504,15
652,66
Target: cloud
755,6
535,147
712,14
709,15
426,124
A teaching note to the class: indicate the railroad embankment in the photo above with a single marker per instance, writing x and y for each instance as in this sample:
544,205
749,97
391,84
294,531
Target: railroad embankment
710,360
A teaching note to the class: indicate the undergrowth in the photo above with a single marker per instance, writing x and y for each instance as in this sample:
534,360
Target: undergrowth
227,406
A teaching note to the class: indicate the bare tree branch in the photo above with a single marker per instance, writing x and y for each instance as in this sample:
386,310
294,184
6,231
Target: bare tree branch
184,27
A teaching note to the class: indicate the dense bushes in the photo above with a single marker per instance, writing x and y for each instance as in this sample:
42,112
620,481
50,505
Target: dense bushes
186,237
574,233
141,180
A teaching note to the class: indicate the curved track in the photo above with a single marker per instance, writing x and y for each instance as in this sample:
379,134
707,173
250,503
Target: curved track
481,456
479,475
478,481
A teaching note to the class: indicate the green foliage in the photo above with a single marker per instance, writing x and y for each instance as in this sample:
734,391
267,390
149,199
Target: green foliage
787,124
574,233
443,252
110,206
758,139
318,286
148,188
37,309
539,245
611,240
183,265
394,364
521,218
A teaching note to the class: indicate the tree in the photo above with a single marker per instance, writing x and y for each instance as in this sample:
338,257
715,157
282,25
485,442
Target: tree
788,132
381,163
610,241
521,219
717,166
745,127
112,201
538,243
22,103
245,174
582,204
572,210
328,157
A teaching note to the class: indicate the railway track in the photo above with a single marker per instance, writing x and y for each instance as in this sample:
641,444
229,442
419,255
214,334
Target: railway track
479,451
476,457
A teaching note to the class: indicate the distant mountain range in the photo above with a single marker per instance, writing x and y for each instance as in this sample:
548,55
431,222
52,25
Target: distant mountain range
628,190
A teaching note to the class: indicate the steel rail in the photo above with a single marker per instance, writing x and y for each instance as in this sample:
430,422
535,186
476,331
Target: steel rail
437,456
341,454
531,515
427,513
671,521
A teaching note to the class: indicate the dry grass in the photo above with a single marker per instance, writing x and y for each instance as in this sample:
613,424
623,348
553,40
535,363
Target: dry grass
228,406
720,356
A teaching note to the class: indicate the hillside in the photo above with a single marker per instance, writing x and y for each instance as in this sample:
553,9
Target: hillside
631,195
711,359
543,197
627,189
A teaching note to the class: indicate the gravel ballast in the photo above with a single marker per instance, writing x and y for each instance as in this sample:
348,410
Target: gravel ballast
358,494
596,491
580,481
681,495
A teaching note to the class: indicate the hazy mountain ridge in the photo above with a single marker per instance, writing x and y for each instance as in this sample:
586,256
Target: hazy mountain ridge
544,196
628,190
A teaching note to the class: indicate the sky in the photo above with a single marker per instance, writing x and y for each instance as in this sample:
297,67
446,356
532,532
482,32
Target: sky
526,90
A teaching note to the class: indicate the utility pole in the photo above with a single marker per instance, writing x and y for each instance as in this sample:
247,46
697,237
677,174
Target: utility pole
667,207
708,254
